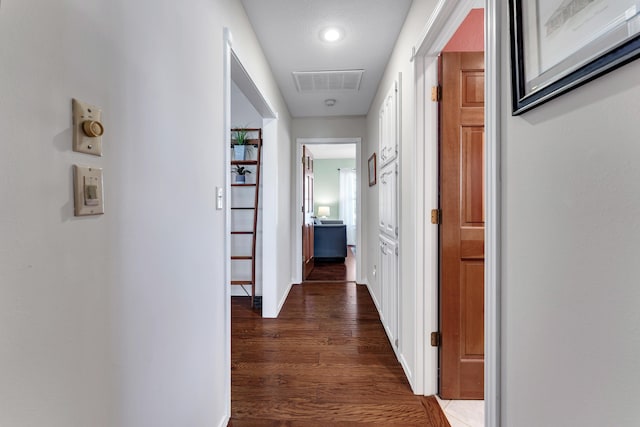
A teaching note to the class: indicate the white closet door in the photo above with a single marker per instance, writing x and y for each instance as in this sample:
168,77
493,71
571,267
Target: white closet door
389,285
388,206
389,126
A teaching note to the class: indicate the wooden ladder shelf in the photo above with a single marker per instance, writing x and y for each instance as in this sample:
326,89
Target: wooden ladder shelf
239,198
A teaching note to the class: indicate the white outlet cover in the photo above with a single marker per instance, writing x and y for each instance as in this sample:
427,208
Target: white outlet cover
81,142
83,177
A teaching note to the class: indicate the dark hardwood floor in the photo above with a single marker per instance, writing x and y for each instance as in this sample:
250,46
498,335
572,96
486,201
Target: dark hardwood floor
325,361
335,271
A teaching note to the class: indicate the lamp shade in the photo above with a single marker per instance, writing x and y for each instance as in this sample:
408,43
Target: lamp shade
324,211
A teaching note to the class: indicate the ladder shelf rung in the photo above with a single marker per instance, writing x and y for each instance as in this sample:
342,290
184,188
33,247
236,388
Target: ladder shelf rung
251,141
248,257
242,232
244,162
241,282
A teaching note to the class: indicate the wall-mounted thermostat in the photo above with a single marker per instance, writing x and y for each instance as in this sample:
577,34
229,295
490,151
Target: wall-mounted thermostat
87,189
87,128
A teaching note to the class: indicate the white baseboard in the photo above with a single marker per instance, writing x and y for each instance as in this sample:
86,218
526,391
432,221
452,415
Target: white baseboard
225,421
407,372
283,299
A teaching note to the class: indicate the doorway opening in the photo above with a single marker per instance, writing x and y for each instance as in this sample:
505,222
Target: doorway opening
462,211
328,192
248,108
332,205
442,26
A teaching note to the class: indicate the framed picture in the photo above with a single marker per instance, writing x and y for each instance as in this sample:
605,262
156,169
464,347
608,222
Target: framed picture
372,170
558,45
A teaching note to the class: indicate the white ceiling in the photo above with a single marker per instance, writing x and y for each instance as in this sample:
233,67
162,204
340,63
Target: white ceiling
289,30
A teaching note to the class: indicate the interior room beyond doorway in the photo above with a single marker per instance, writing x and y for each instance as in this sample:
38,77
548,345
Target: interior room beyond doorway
335,203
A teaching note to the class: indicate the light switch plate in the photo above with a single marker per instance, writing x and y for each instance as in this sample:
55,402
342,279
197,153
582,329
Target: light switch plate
87,190
83,112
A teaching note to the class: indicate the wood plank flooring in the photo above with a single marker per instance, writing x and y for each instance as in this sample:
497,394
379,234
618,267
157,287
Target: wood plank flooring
326,361
335,271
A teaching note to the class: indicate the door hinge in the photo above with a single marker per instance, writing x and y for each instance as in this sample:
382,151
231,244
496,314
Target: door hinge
436,339
396,343
436,93
436,216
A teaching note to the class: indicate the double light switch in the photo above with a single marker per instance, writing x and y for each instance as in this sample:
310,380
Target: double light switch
87,138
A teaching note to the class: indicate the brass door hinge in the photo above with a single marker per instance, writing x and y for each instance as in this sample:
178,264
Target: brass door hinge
435,339
436,93
436,216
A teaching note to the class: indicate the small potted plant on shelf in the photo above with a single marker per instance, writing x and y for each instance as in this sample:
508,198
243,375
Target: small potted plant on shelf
239,141
240,172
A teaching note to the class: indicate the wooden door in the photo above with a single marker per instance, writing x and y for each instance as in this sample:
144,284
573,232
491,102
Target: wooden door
307,212
462,228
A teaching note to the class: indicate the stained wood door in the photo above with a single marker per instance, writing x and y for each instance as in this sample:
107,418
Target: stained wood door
307,212
462,202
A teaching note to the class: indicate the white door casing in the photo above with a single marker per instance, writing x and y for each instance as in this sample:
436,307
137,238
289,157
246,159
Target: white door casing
443,23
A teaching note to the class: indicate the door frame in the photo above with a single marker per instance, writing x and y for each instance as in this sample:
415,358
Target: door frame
232,69
298,173
268,174
445,20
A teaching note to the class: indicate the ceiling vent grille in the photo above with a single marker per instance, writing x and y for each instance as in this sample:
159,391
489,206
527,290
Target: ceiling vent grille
328,81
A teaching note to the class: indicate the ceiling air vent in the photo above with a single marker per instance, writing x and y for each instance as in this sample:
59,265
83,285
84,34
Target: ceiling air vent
324,81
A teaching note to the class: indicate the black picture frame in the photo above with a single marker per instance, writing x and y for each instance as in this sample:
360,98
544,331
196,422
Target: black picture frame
372,170
542,70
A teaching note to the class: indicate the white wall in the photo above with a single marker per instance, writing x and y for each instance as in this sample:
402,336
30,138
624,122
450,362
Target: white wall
329,127
571,232
117,320
243,114
400,63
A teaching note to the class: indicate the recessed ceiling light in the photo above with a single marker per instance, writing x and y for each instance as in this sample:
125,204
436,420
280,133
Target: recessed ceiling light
331,34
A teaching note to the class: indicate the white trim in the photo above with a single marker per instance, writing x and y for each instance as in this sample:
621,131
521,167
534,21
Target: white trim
226,137
441,26
268,178
283,299
297,167
234,70
493,262
245,83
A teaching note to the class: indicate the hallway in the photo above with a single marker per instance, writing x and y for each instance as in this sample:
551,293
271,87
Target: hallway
335,271
325,361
